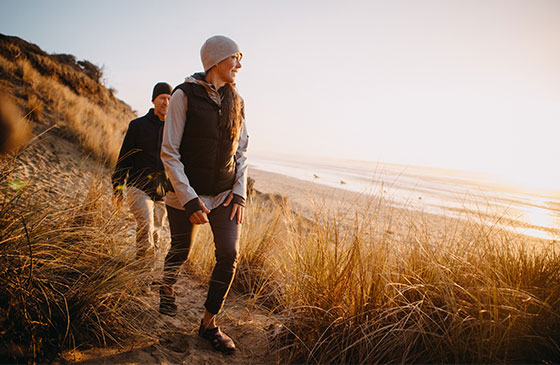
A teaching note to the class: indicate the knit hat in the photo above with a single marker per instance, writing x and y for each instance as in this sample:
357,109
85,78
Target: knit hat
217,49
161,88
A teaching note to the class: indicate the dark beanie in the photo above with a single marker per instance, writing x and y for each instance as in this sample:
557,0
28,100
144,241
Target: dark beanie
161,88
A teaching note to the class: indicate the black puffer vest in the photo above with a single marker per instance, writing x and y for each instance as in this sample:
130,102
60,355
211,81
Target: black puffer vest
207,152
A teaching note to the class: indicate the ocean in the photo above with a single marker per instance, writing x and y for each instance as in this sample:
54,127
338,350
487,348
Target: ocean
433,190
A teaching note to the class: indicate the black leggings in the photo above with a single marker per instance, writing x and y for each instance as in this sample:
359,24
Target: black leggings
226,241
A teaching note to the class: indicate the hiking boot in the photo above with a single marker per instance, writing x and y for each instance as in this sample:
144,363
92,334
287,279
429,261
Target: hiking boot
219,340
167,304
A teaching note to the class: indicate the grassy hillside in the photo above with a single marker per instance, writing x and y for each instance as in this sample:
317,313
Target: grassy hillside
58,90
65,279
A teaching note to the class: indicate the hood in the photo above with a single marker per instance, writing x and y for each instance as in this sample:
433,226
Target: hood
199,78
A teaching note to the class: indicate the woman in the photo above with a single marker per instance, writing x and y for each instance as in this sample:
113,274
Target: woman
203,151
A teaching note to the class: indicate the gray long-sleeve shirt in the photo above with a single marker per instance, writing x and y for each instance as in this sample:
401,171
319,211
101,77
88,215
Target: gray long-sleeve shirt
170,156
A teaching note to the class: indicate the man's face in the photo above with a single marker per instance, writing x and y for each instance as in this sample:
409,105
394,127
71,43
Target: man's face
161,103
227,69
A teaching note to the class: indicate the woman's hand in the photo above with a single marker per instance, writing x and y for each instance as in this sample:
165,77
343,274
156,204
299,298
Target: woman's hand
236,209
200,217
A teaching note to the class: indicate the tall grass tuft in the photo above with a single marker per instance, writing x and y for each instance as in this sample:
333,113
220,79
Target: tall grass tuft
478,294
386,286
65,278
264,232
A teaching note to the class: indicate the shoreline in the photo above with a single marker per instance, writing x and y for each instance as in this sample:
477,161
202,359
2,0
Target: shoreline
309,199
313,200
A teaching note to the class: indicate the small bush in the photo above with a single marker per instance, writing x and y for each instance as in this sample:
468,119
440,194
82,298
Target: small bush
93,71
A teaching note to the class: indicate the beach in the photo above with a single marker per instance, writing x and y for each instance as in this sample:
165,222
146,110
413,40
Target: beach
318,202
377,209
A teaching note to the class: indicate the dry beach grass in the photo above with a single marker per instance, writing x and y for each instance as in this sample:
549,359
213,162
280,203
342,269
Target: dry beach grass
325,276
358,281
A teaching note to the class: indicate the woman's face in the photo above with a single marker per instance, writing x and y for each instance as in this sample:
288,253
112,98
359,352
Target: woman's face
227,69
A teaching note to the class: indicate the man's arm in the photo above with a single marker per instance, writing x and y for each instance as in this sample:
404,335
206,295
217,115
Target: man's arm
125,161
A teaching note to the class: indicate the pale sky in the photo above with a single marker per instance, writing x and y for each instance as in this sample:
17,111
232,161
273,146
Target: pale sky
472,84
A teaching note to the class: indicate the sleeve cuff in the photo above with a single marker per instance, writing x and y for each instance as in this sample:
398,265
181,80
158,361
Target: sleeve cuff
239,200
192,206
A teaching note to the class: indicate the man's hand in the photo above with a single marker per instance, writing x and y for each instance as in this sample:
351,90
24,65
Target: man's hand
236,209
200,216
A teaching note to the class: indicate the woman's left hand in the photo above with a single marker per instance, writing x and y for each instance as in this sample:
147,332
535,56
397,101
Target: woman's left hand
236,209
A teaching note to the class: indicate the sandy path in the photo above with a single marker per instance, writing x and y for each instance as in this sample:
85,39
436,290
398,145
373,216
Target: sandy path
177,341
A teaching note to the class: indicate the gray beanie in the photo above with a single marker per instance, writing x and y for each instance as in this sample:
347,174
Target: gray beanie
217,49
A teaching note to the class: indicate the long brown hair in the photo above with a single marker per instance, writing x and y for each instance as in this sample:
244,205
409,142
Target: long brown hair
231,118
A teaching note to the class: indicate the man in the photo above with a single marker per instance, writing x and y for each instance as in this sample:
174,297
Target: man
204,145
140,171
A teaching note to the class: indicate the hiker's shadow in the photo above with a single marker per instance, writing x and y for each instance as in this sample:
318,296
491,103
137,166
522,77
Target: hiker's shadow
172,347
144,355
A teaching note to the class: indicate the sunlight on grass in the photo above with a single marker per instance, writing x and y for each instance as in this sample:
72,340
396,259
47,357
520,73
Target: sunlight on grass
97,121
66,280
364,288
374,284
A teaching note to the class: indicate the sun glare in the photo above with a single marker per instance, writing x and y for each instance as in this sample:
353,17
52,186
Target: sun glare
542,219
532,179
539,217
